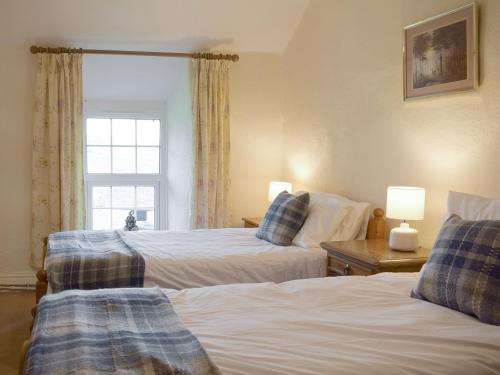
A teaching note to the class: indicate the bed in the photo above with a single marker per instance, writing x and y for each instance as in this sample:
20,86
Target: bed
341,325
171,259
210,257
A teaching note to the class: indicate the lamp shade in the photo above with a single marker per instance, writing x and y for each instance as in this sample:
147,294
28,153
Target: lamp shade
405,203
276,187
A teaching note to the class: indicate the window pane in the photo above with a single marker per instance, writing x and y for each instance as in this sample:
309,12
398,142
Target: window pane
124,132
148,160
119,217
101,219
123,159
148,132
145,196
98,131
124,197
101,197
145,219
98,159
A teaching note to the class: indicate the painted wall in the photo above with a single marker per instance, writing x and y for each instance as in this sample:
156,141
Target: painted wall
129,78
347,128
180,151
17,82
256,89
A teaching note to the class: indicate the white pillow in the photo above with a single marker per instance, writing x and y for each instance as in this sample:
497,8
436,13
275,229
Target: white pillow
324,215
355,223
332,217
472,207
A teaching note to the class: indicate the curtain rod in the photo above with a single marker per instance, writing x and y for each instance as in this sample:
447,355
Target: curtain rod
209,56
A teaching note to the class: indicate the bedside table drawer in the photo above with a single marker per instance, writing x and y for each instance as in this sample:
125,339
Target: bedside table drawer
337,267
368,257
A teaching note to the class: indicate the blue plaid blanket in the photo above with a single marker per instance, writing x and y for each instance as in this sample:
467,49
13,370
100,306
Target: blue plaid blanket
92,260
125,331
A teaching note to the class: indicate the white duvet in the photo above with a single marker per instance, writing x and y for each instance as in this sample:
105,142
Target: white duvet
342,325
220,256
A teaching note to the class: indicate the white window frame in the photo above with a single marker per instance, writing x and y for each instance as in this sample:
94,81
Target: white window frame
141,111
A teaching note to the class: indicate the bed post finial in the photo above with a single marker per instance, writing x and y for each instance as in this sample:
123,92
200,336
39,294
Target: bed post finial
377,225
41,284
41,275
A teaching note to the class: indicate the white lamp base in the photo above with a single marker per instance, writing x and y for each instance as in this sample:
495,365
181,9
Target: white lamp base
403,238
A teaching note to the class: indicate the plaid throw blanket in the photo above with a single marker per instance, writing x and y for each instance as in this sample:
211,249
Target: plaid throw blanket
92,260
125,331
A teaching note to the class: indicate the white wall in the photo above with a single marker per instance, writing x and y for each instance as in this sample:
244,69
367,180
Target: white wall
347,128
180,151
17,82
256,87
129,78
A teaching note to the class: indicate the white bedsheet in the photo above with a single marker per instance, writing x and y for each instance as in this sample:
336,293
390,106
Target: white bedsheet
220,256
342,325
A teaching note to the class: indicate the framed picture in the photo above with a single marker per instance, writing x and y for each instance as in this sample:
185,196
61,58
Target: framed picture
440,54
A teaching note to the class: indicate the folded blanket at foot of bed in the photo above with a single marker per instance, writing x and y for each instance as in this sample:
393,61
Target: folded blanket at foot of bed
132,331
92,260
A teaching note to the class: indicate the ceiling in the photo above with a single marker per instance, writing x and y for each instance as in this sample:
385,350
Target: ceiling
230,25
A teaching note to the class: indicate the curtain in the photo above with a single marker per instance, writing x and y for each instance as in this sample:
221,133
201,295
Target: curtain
58,194
211,143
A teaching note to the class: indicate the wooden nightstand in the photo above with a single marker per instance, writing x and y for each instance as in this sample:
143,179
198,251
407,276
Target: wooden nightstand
251,222
368,257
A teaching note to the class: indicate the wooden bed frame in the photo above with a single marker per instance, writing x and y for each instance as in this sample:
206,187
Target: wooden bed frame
42,282
376,230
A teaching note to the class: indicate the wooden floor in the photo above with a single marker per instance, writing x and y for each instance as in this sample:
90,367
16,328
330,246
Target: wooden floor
15,319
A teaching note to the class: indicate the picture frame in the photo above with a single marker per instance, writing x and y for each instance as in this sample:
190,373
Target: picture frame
440,54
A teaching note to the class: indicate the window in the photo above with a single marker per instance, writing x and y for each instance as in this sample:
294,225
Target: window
124,171
123,146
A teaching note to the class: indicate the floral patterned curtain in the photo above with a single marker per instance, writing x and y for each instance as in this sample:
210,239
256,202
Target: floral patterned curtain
58,194
211,143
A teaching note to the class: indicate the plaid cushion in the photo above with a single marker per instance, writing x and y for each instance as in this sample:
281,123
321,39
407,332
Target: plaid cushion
284,218
463,271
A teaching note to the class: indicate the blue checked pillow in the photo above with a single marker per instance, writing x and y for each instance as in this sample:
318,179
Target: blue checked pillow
463,271
284,218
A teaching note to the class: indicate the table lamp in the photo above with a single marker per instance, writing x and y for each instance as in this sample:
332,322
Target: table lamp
276,187
405,203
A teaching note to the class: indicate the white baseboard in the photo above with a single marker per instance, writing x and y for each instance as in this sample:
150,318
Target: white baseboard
18,278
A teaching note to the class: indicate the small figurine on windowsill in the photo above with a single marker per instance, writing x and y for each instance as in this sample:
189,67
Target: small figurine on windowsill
130,222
